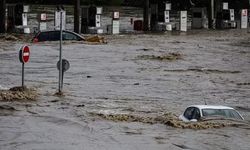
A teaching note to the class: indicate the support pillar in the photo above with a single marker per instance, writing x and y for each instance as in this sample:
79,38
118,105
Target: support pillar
146,16
77,16
212,15
2,16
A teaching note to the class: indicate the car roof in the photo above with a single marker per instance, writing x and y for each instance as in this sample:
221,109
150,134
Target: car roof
47,31
211,107
55,31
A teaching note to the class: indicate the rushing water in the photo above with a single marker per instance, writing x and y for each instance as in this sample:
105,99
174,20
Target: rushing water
113,78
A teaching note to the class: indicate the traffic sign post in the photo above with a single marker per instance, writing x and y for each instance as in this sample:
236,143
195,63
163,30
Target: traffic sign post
62,64
65,67
24,55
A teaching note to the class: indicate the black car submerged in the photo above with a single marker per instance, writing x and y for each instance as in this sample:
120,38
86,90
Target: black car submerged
43,36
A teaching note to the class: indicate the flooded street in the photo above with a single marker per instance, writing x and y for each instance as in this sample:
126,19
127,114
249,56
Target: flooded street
129,75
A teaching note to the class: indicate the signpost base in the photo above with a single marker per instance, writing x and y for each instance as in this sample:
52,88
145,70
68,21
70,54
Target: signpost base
22,75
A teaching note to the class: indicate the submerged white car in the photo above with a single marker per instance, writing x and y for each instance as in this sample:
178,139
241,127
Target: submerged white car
197,112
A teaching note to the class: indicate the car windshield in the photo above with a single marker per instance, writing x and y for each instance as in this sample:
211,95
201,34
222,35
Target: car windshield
227,113
69,36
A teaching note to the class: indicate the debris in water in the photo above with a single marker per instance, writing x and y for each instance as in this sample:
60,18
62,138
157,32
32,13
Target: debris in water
204,70
247,83
9,37
168,57
54,101
168,119
18,93
182,146
7,110
214,71
95,39
7,107
146,49
59,94
89,76
81,105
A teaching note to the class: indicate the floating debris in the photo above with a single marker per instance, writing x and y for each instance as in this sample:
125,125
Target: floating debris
9,37
59,94
17,94
146,49
204,70
247,83
168,119
167,57
95,39
7,107
80,106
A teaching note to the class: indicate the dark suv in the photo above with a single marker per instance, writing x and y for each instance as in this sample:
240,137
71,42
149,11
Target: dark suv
55,36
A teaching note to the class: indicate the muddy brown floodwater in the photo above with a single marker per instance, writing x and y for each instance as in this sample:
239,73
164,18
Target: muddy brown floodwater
132,75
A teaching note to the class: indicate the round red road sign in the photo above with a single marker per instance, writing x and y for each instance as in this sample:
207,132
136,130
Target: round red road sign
24,54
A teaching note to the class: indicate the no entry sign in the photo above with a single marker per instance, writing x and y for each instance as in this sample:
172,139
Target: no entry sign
24,54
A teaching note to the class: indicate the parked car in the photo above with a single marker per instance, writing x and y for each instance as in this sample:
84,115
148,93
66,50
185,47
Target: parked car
55,36
198,112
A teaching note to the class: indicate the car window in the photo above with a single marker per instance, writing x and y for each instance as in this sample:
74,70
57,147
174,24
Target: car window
196,114
54,36
69,36
43,36
189,113
230,113
227,113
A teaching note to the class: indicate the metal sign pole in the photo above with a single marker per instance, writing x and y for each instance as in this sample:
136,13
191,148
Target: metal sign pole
24,55
62,77
22,75
60,55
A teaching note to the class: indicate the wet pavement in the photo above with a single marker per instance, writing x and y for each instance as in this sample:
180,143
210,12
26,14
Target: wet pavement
117,78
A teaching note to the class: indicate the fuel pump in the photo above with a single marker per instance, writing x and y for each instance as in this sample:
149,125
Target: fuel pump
91,19
183,21
116,23
225,17
98,17
199,18
167,16
244,19
42,21
26,29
